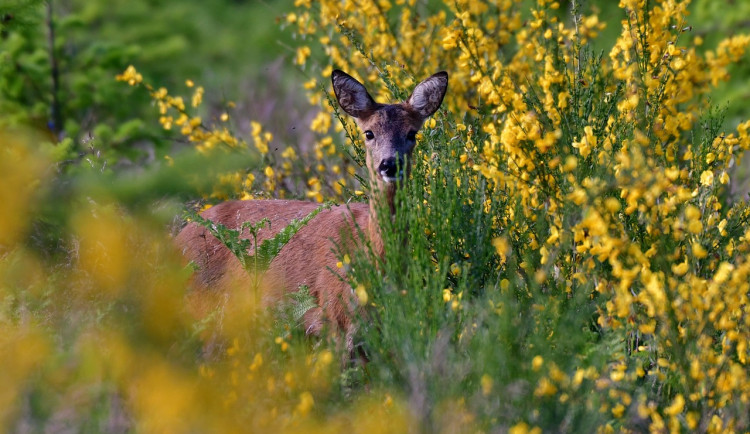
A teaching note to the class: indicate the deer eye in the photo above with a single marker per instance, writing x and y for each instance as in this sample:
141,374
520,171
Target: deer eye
412,136
369,135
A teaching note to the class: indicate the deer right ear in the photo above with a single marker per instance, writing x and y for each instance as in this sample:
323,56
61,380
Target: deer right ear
428,95
352,95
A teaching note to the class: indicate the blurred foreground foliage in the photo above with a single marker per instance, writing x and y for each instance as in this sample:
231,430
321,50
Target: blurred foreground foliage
576,260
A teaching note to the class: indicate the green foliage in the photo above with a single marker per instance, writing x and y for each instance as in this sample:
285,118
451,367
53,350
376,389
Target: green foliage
712,21
301,302
263,253
56,77
58,60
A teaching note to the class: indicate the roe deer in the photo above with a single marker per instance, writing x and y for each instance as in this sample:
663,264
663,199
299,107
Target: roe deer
308,258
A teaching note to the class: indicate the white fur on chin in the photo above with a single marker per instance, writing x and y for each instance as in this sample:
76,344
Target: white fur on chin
390,179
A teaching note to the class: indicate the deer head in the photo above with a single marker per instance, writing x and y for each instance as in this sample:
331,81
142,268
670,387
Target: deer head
390,129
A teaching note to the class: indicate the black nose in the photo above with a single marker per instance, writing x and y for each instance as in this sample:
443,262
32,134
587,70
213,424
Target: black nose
388,167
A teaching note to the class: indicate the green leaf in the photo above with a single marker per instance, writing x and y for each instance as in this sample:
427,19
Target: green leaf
271,247
303,301
268,249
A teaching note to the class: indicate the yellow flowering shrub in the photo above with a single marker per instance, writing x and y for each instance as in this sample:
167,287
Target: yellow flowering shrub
608,175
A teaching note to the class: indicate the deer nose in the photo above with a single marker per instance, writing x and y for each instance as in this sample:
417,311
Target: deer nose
388,168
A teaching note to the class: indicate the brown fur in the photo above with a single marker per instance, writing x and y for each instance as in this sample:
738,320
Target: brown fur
302,261
309,256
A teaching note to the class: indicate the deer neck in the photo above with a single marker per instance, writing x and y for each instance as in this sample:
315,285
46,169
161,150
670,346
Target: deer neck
386,194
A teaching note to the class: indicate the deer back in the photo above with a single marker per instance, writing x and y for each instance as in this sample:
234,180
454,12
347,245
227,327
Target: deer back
309,258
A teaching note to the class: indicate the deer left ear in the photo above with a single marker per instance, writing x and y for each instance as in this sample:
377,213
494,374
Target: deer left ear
428,95
352,95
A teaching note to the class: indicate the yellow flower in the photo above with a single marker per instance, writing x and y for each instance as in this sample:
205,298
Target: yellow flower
578,196
306,403
612,204
587,143
698,251
680,269
455,269
361,294
519,428
447,295
321,123
648,328
131,76
724,178
537,362
197,96
617,375
678,404
545,388
486,384
257,362
302,54
722,274
502,247
450,40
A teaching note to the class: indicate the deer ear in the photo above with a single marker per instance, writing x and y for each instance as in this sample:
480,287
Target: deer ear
352,95
428,95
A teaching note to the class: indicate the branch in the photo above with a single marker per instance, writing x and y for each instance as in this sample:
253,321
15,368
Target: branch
56,112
